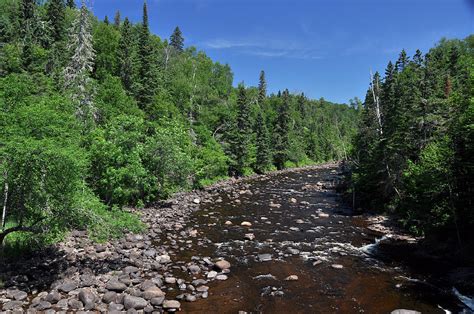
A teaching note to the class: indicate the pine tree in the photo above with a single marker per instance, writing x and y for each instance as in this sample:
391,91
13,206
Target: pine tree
77,73
117,19
56,16
177,40
145,89
106,20
262,88
240,134
262,143
125,55
282,131
71,4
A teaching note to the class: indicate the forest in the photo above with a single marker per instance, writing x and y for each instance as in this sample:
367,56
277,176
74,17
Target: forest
100,116
413,153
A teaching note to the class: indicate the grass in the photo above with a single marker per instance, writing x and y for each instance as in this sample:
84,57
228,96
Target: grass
114,223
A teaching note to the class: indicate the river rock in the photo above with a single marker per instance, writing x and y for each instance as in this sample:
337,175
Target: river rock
18,295
12,305
196,201
113,307
403,311
153,292
337,266
115,285
109,297
249,236
323,215
264,257
171,305
190,298
293,200
53,297
157,301
221,277
170,280
43,305
212,274
228,223
194,269
246,224
291,278
131,302
67,286
222,264
87,298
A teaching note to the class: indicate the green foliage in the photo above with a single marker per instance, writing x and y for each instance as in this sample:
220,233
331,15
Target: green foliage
417,158
112,116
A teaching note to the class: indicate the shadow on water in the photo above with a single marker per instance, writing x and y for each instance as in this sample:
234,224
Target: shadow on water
299,219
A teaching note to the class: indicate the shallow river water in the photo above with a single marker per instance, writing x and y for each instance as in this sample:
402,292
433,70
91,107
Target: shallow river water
301,228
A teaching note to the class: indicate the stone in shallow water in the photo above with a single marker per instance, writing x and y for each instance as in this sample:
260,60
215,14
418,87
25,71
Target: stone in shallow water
222,264
211,274
264,257
291,278
403,311
221,277
249,236
246,224
228,222
171,304
337,266
323,215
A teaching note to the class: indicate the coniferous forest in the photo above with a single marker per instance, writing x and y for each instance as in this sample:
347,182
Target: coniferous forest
97,116
136,174
413,153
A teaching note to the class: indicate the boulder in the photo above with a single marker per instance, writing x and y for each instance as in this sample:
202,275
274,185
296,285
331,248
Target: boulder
136,303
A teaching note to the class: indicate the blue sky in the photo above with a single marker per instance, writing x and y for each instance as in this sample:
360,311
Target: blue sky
324,48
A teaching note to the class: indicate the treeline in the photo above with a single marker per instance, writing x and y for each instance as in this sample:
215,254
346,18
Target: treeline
413,154
97,115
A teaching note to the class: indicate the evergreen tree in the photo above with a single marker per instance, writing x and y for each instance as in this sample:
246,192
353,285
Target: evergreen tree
27,10
282,127
71,4
402,61
262,88
145,89
125,55
117,19
262,143
177,40
56,16
106,20
77,74
240,133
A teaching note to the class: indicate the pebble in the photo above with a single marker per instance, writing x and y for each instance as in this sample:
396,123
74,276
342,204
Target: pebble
337,266
171,304
221,277
291,278
264,257
249,236
212,274
246,224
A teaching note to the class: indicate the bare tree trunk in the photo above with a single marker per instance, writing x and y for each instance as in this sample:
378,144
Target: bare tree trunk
5,200
167,52
375,85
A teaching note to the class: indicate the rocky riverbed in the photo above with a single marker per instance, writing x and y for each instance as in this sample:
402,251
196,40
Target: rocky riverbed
278,243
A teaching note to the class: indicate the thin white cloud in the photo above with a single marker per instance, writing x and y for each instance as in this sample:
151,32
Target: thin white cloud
265,48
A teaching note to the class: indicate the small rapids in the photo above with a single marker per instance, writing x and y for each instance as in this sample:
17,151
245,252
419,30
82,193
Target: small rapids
301,250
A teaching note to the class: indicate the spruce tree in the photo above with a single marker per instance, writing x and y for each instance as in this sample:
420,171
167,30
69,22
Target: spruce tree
145,88
56,16
177,40
281,132
125,55
402,61
262,88
117,19
240,134
262,143
106,20
77,73
71,4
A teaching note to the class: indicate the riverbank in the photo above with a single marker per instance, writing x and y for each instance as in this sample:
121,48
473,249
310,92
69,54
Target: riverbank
77,274
281,242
